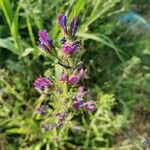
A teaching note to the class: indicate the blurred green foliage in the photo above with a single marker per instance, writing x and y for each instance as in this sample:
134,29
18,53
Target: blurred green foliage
116,55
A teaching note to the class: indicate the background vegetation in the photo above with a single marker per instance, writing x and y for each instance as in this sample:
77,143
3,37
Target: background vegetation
115,36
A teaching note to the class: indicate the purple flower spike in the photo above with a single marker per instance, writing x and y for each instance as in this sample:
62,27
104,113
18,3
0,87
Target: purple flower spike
90,106
77,103
44,42
62,19
73,79
73,26
41,83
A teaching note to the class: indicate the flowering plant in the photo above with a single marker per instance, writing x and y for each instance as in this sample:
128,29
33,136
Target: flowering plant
65,97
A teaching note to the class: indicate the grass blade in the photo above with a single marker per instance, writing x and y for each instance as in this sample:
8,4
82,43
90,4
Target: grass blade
101,10
103,40
7,10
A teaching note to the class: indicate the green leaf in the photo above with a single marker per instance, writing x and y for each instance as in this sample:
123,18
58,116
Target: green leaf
38,146
100,10
18,131
104,40
7,10
76,8
27,51
8,44
14,30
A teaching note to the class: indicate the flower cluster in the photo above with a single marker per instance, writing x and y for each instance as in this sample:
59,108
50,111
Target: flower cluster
70,78
69,48
79,102
42,83
73,78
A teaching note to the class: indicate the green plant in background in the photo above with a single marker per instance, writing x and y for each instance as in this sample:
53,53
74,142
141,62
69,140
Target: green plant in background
23,25
15,43
18,17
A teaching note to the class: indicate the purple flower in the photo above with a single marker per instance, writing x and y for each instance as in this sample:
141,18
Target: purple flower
75,46
89,106
41,83
44,42
43,36
73,79
60,116
63,77
41,110
67,48
77,103
62,20
63,40
70,48
81,91
82,73
73,26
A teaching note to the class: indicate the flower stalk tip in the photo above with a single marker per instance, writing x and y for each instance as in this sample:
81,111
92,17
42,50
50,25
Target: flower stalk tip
44,42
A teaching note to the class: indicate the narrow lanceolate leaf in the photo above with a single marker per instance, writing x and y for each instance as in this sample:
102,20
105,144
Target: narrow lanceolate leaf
27,51
76,8
6,43
32,38
14,30
18,131
104,40
7,10
30,30
99,10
